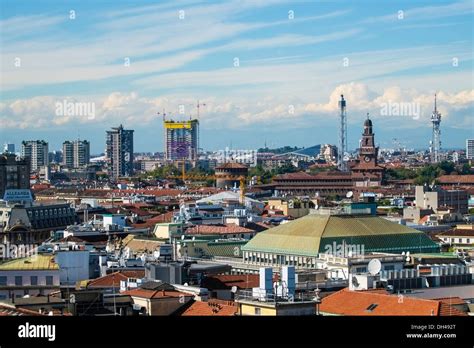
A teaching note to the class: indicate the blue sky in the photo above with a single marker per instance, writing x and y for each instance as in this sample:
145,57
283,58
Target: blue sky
267,70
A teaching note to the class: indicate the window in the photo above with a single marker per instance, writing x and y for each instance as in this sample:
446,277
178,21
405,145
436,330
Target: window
18,280
3,280
49,280
371,307
361,269
258,311
389,268
34,280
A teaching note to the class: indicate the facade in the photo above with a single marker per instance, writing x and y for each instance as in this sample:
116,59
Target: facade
37,275
462,237
229,174
470,149
76,153
435,197
14,173
293,208
33,224
364,173
181,140
119,152
36,151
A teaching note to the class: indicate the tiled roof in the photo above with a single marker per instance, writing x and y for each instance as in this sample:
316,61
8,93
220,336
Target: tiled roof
113,279
138,245
458,232
231,165
346,302
218,229
211,308
155,294
456,179
36,262
11,311
220,282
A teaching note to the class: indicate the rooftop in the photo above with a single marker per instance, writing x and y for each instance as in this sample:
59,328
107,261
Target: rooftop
346,302
36,262
211,308
311,234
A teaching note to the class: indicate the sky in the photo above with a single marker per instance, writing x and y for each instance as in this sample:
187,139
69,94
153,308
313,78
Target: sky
269,72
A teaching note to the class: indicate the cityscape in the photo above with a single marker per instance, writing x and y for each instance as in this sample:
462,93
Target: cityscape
222,166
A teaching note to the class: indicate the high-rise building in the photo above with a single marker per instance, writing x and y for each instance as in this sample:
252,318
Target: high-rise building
181,140
470,149
36,151
9,148
14,173
76,153
119,152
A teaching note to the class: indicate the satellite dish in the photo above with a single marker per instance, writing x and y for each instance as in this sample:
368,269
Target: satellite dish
374,266
349,194
234,289
355,282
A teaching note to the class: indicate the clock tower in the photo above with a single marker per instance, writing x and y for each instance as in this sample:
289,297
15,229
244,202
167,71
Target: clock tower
367,151
367,172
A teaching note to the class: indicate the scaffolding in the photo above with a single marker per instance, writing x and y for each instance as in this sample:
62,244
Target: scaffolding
181,140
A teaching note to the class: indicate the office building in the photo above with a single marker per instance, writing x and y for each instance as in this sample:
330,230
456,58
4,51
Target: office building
36,151
9,148
470,149
119,152
76,153
14,173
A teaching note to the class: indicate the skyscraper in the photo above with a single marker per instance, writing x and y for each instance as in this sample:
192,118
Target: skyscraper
119,151
470,149
76,153
181,140
36,152
9,148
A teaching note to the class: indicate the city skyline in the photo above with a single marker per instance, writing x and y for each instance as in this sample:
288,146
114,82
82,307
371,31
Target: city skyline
268,71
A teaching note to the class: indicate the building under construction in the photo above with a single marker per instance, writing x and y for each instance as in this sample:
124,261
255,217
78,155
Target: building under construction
181,140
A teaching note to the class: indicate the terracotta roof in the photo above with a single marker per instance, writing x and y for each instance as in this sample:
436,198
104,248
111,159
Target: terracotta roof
456,179
11,311
241,281
153,192
211,308
346,302
457,232
231,165
155,294
218,229
113,279
451,300
446,310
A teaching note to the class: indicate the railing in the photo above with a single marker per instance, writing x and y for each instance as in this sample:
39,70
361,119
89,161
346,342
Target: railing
270,297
